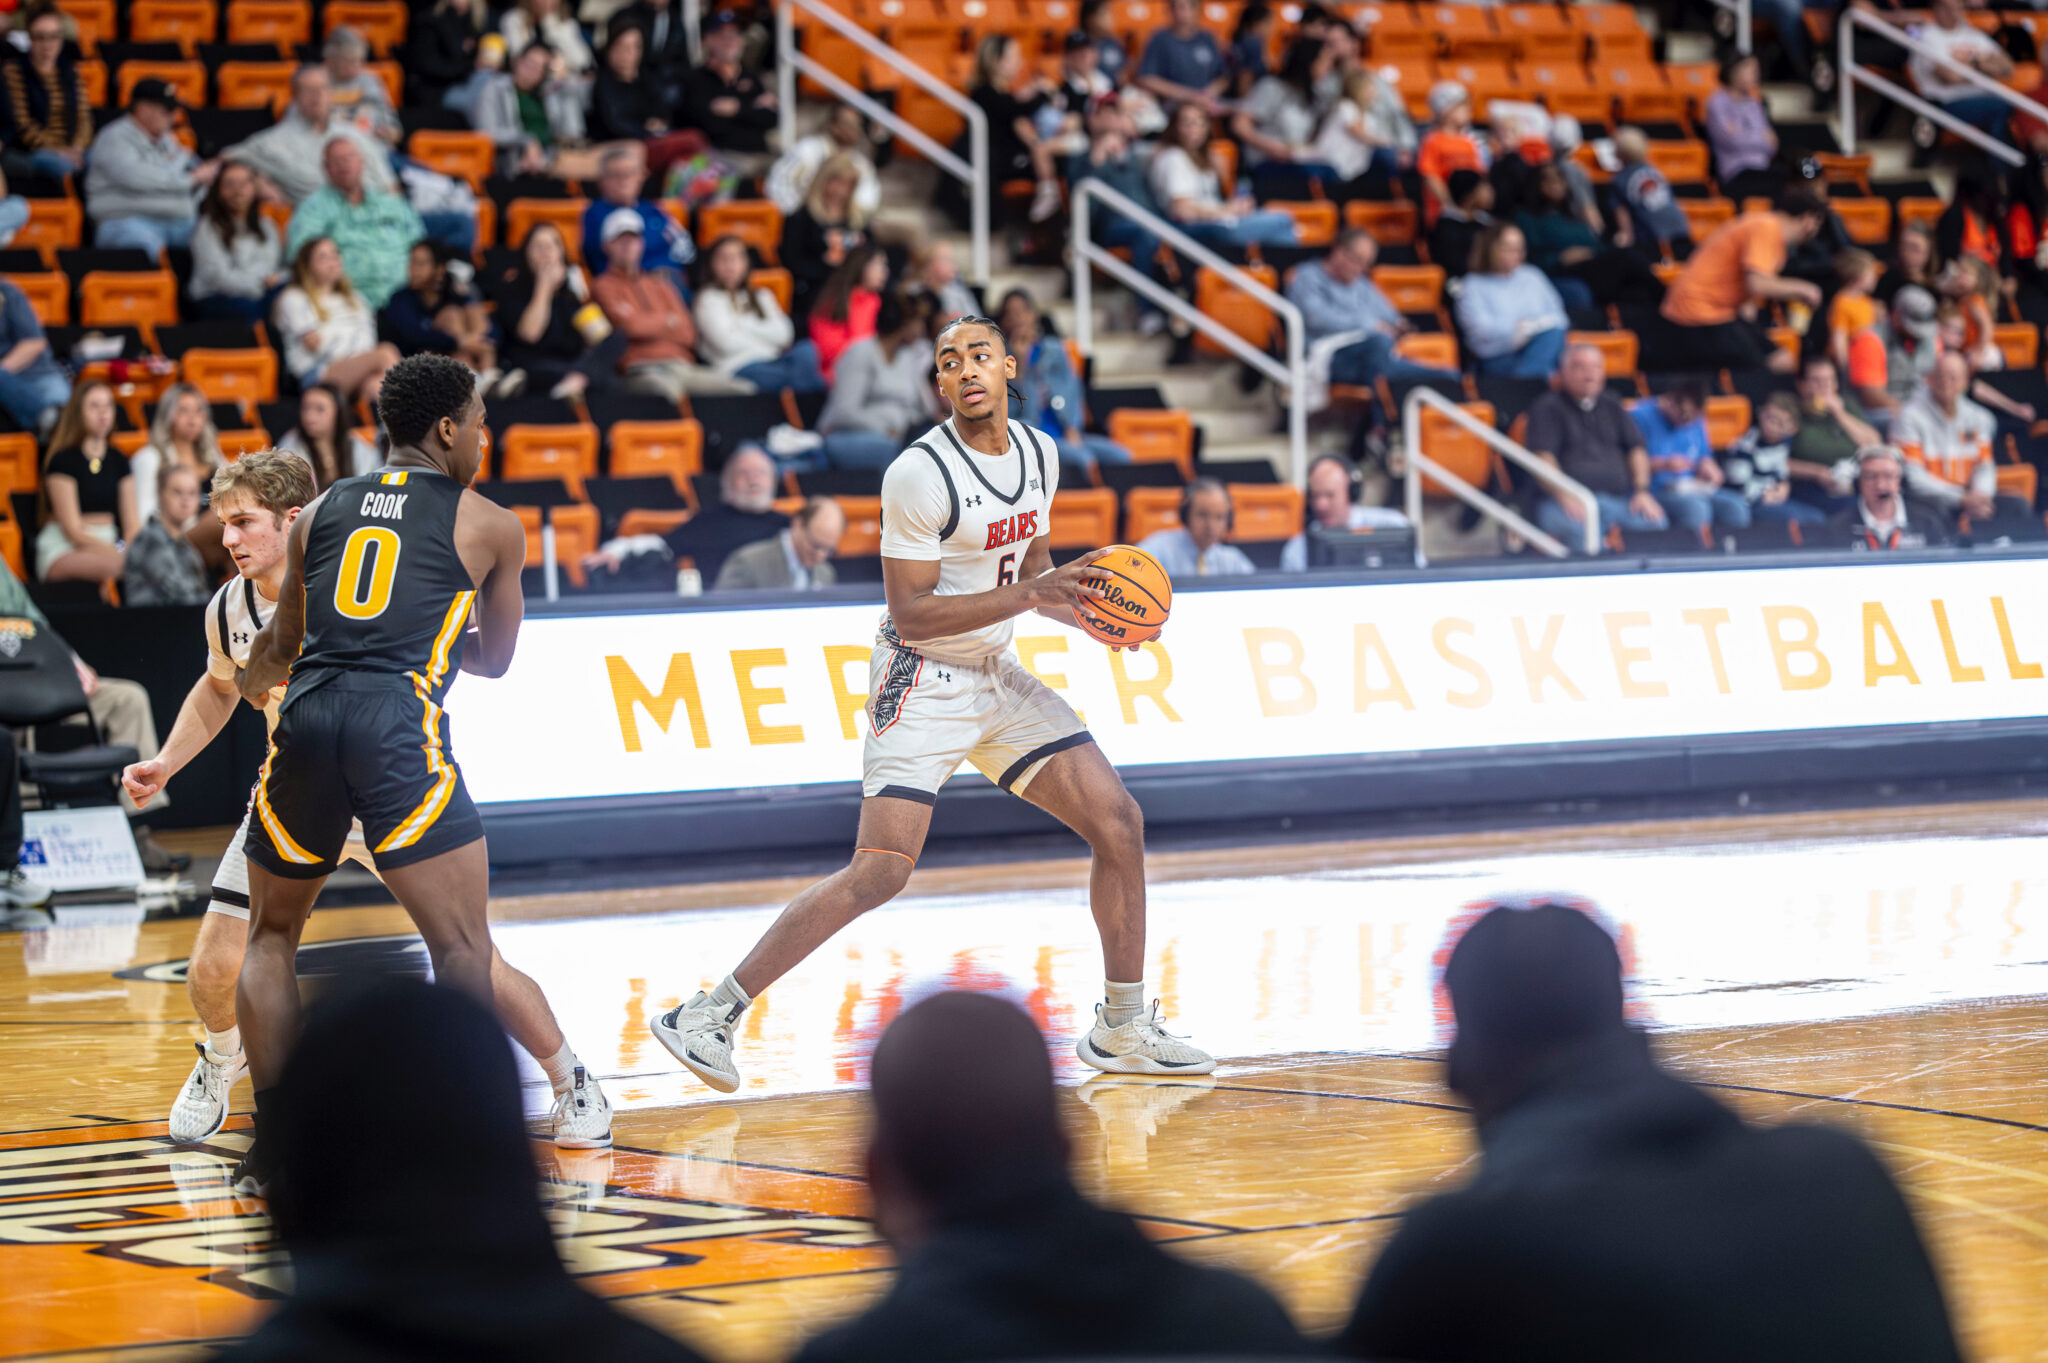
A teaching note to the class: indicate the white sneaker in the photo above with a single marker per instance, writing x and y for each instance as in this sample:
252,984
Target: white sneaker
699,1033
1046,202
1140,1046
18,891
202,1106
582,1117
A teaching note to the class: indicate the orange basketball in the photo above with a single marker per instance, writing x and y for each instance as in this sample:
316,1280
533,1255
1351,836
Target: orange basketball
1138,597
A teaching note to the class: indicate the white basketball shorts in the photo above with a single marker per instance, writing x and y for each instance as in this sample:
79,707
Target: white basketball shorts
928,716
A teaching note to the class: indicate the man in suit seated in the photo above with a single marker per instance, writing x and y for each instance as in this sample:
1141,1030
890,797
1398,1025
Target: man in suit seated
1881,518
798,559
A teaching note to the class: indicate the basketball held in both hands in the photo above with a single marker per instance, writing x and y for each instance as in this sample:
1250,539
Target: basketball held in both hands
1137,596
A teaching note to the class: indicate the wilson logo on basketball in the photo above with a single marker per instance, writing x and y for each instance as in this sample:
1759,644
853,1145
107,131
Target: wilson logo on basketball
1113,595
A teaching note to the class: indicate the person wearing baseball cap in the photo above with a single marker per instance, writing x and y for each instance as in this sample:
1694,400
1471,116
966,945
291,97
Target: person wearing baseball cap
646,309
141,185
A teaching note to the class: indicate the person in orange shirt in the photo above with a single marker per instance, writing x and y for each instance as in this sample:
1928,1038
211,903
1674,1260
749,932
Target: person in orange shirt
1450,146
1711,307
1854,311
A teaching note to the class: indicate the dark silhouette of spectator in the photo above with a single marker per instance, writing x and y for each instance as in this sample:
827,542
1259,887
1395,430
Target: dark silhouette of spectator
1620,1213
479,1278
1001,1256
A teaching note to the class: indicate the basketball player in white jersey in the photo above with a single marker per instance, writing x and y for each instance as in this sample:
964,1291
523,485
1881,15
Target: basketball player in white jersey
965,514
257,498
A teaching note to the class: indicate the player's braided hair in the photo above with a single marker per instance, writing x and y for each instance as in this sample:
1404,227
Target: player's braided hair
421,389
975,319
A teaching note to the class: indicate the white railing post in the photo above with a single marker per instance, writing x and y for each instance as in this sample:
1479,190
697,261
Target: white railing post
973,172
693,29
1845,85
785,74
1419,464
1852,18
1292,375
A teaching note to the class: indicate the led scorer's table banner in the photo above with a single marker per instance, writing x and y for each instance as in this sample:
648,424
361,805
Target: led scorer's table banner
715,700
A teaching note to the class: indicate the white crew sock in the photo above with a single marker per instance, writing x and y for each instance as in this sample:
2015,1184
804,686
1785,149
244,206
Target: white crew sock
1122,1002
729,993
224,1043
561,1068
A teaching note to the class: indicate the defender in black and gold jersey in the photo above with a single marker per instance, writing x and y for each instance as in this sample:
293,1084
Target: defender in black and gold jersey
396,580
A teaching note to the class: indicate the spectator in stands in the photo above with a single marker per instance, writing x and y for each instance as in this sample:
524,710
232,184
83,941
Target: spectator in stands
1187,178
358,93
162,568
14,213
140,180
1684,478
373,230
1334,488
1249,39
1952,36
89,504
1112,160
1513,322
845,134
33,388
327,327
1053,399
541,348
1182,62
743,514
45,117
1739,131
528,112
1451,145
845,308
481,1277
181,435
883,392
1711,305
1832,426
1277,124
797,560
1195,547
1598,1168
440,50
1580,429
1648,216
1915,260
831,225
625,103
1562,246
1337,297
290,155
18,890
726,102
742,330
323,435
1012,99
441,312
1081,84
967,1161
1883,382
1946,439
1760,466
1971,288
661,337
1461,220
1852,313
622,183
237,254
935,273
548,23
1880,517
1098,21
667,59
1367,137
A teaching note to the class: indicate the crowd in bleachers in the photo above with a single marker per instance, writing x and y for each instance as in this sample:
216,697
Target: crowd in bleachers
273,201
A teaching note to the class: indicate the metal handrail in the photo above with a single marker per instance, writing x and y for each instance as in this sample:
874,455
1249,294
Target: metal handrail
973,171
1419,464
1293,375
1852,73
1738,8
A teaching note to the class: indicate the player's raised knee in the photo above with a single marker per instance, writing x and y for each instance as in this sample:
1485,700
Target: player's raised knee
880,875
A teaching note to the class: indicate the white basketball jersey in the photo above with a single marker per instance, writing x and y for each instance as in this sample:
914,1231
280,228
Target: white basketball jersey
232,619
972,513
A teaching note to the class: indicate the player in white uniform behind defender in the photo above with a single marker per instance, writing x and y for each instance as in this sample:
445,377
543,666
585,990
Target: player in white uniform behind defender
965,514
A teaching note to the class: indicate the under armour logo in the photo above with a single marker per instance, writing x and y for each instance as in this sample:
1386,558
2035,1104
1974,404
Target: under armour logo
243,636
945,676
975,500
1034,485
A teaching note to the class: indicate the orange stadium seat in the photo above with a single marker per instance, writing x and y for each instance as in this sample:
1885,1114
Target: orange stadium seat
1540,33
48,293
1392,31
254,85
232,375
1565,88
757,222
1695,80
1640,89
523,215
10,548
393,76
1683,163
1486,79
1458,450
92,74
863,537
467,156
1391,224
1083,518
234,444
1237,310
1867,221
576,537
1411,78
1224,151
486,225
1264,511
566,452
651,522
658,449
20,464
128,442
186,79
1920,209
837,53
1437,348
2019,342
1618,348
1147,509
1155,436
777,281
1728,419
1315,220
285,23
184,22
122,298
1614,32
2019,480
98,22
382,22
1704,215
1411,288
1466,30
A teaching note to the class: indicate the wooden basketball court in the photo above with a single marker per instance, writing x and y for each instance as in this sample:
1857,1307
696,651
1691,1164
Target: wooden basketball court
1884,970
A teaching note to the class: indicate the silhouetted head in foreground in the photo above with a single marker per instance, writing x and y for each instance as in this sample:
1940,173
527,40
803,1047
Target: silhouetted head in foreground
1528,986
964,1114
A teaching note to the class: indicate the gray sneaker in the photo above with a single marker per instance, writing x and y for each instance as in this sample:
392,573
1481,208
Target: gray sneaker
18,891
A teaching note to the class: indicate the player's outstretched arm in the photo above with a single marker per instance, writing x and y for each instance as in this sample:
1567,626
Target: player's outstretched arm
205,711
277,643
919,612
500,605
